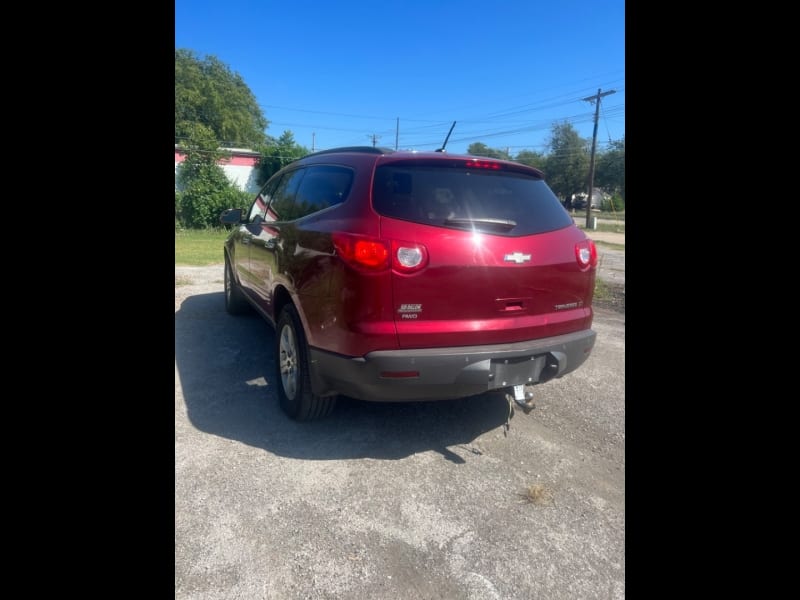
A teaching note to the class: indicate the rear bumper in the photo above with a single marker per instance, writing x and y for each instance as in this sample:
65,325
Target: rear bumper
446,373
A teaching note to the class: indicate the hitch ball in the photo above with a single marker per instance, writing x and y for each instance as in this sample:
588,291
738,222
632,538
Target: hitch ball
523,397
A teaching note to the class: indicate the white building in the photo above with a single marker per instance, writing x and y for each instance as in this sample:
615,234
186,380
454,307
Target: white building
239,168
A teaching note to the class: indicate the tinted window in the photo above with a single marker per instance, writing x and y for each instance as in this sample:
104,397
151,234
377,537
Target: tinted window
282,207
309,190
262,201
500,202
322,186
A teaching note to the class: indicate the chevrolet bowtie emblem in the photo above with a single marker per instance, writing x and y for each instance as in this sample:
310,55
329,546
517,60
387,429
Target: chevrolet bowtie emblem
517,257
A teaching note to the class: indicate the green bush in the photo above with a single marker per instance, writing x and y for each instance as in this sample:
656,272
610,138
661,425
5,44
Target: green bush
205,196
178,221
613,204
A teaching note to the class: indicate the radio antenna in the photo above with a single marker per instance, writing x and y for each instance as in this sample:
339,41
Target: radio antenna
447,138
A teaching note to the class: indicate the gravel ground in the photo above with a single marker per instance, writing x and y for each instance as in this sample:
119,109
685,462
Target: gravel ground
385,500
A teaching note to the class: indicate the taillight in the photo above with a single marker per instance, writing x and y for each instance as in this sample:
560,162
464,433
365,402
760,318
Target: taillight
408,257
362,252
586,254
374,254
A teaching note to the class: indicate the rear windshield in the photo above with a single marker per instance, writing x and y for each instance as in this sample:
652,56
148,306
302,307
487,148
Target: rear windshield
506,203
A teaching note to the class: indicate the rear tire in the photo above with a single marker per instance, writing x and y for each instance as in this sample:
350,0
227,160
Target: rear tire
235,302
292,373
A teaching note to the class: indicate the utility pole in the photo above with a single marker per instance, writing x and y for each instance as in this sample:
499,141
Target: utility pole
313,135
596,100
374,139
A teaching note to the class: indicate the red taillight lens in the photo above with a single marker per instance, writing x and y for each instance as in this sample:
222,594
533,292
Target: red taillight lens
586,254
361,251
408,257
370,254
482,164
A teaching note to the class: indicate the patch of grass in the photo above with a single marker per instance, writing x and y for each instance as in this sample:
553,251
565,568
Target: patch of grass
604,290
600,288
609,227
600,214
609,295
610,245
182,280
611,215
538,494
612,227
199,247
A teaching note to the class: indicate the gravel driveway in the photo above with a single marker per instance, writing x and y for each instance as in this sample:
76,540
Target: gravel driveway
389,501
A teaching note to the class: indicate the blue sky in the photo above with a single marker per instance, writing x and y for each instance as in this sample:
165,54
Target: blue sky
338,72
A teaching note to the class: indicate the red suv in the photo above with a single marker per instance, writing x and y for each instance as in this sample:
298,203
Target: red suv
393,276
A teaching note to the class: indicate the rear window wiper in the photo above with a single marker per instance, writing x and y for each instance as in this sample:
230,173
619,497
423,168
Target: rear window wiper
485,223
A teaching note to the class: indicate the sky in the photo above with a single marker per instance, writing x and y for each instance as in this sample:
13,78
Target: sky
397,73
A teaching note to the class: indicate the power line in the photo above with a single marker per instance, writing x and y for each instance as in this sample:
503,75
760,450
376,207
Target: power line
411,136
563,100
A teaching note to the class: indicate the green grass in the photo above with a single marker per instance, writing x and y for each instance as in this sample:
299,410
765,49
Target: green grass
616,227
199,247
602,291
608,215
606,227
610,245
609,295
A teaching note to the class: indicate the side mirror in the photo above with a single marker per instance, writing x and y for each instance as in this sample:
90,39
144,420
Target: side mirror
231,216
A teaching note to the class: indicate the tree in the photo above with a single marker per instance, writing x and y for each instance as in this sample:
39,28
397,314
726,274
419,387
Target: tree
278,154
209,93
532,159
568,161
609,171
214,108
481,149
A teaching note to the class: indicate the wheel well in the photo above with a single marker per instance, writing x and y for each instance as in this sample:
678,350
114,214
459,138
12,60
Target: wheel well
280,299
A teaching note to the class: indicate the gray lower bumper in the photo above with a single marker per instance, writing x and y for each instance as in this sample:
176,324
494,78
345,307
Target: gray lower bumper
446,373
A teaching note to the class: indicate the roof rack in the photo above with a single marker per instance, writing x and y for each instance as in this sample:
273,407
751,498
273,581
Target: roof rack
363,149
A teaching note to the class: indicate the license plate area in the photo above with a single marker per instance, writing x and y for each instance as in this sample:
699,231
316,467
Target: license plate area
505,372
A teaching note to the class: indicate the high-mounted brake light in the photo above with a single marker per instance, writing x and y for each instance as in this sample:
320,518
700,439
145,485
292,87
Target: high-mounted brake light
586,254
483,164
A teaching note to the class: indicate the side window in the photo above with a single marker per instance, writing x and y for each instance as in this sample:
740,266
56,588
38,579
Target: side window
283,206
322,187
259,208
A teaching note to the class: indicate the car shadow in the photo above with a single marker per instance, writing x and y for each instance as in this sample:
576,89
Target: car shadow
225,365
